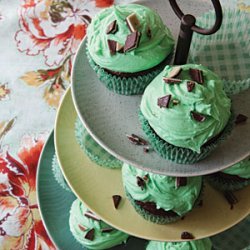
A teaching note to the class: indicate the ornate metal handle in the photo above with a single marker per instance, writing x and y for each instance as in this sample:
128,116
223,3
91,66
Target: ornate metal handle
187,28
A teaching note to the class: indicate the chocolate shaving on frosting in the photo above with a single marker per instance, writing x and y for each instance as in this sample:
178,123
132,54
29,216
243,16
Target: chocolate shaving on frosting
198,117
112,28
90,234
196,75
112,46
92,216
132,41
140,182
171,80
163,102
132,22
107,230
174,72
190,86
149,33
180,181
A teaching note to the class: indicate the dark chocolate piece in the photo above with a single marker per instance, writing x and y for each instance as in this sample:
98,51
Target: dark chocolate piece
240,119
190,86
186,236
90,234
107,230
82,228
149,33
112,28
163,102
180,181
92,216
116,200
198,117
119,48
196,75
140,182
112,46
132,41
231,199
132,22
145,177
137,140
171,80
175,72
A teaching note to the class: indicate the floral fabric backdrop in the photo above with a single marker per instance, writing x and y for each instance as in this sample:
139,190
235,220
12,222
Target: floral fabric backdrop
38,41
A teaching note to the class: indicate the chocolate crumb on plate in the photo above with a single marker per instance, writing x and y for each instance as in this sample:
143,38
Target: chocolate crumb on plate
190,86
174,72
140,182
146,149
163,102
196,75
231,198
112,28
112,46
116,200
92,216
90,234
137,140
180,181
171,80
186,236
198,117
107,230
240,119
132,22
132,41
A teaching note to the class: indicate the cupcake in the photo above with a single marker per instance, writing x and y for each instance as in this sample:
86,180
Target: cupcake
127,46
233,178
158,198
92,232
185,113
92,149
203,244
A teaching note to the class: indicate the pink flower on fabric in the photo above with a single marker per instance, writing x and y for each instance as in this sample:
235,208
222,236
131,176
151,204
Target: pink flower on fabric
54,28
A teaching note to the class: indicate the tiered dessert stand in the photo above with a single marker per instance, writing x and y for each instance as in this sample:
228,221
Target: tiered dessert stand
109,117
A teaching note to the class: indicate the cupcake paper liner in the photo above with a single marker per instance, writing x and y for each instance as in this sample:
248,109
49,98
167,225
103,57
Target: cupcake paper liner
92,149
226,184
178,154
134,85
162,219
58,174
227,52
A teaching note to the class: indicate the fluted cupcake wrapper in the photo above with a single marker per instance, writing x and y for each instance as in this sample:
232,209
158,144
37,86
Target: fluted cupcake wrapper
92,149
227,52
133,85
178,154
226,184
58,174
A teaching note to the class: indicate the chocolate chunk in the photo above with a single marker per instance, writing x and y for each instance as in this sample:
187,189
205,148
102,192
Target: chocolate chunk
112,28
116,200
133,140
149,33
145,177
107,230
231,199
163,102
240,119
137,140
196,75
140,182
132,41
146,149
171,80
132,22
92,216
90,234
112,46
119,47
82,228
175,101
186,236
180,181
190,86
198,117
174,72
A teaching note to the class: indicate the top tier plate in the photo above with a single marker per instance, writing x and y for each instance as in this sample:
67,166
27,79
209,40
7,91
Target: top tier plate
108,117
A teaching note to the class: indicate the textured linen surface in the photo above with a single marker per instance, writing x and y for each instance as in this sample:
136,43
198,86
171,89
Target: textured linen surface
39,39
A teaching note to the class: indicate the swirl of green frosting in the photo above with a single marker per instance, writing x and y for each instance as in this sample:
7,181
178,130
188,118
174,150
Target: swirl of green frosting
151,50
241,169
203,244
162,190
102,240
175,124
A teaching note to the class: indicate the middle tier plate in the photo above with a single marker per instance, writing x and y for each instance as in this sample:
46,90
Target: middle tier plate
95,186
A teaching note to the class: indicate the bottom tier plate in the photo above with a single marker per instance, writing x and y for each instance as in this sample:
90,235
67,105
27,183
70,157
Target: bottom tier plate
95,186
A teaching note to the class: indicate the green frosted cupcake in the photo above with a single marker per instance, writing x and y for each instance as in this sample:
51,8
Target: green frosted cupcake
185,113
58,174
158,198
203,244
233,178
92,149
127,46
92,232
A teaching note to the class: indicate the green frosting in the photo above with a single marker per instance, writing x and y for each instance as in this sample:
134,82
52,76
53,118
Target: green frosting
78,220
203,244
175,123
241,169
162,190
149,53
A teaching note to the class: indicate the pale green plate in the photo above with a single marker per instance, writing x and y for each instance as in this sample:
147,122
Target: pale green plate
95,186
55,203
